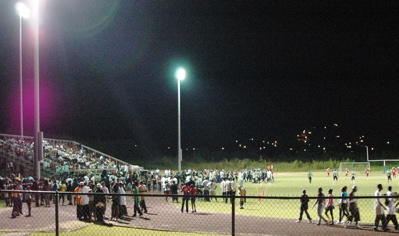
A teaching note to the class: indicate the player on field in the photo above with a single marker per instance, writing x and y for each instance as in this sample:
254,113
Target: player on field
328,172
335,176
353,178
310,175
346,173
394,172
367,172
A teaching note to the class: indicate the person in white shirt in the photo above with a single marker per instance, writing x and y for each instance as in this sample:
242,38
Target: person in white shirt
391,208
85,201
379,210
223,186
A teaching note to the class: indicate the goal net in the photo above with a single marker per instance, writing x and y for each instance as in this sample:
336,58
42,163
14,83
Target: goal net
355,166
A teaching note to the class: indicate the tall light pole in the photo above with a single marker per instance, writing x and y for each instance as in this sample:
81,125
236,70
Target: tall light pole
38,152
24,12
180,75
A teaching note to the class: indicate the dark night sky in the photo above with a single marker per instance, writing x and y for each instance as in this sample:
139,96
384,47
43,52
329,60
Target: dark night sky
261,69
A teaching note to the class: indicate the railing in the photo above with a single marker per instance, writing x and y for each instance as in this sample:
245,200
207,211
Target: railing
221,215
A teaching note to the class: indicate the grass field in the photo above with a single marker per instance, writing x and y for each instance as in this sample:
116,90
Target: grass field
292,185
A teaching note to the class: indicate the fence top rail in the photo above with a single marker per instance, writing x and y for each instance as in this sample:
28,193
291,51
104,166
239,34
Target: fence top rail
181,195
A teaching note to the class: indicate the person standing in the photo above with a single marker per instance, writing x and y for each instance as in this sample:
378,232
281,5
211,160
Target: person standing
335,176
328,172
85,201
174,191
330,206
242,192
391,208
304,207
115,203
223,186
212,189
310,175
193,192
379,210
136,198
28,200
320,206
78,200
353,178
143,190
389,176
99,202
186,192
353,208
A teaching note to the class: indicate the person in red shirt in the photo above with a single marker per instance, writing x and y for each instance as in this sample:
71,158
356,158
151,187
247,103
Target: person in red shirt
367,172
328,172
186,190
193,191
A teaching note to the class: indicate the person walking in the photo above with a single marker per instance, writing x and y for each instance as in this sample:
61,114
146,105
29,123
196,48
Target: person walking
330,206
304,207
310,175
320,206
391,208
343,206
379,210
353,208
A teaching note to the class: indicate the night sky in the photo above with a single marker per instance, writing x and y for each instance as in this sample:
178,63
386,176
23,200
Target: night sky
255,69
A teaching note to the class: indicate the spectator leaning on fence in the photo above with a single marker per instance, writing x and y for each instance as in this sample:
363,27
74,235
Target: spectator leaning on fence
379,210
304,207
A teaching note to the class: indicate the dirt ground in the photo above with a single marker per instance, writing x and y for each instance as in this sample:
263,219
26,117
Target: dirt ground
168,217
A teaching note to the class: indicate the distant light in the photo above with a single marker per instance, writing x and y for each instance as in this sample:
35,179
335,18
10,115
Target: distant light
22,10
337,136
372,149
291,149
335,125
168,147
388,142
181,74
222,148
193,149
236,141
245,146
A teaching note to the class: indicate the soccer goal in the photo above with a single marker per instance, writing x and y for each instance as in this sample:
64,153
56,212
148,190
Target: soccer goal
354,166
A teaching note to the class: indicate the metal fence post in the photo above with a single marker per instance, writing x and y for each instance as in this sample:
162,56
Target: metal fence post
57,228
233,214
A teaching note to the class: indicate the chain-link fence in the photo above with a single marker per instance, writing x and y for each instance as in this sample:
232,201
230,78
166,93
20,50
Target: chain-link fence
157,214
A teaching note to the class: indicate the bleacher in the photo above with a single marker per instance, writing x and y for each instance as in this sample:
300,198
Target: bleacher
60,157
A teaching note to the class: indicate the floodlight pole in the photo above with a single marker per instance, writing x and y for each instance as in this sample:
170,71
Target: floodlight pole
180,75
38,152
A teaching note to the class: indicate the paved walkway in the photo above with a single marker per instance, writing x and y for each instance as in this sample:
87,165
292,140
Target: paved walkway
166,216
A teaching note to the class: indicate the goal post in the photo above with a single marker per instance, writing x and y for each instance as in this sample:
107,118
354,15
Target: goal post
354,166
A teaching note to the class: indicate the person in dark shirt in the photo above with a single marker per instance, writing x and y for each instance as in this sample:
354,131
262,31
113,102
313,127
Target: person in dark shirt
173,190
99,203
304,207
